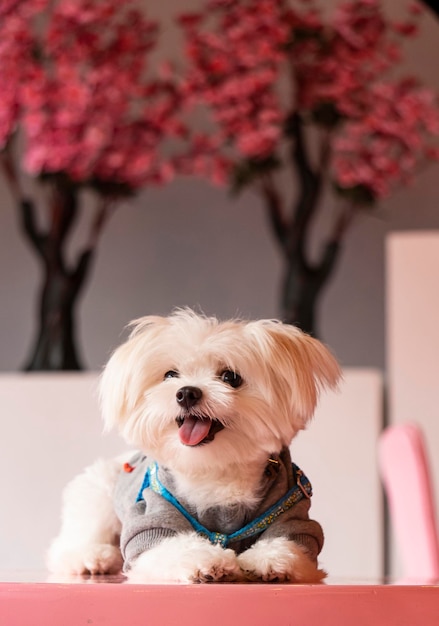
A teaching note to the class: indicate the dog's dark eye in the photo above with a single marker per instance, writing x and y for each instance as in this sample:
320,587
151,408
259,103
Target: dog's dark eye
171,374
231,378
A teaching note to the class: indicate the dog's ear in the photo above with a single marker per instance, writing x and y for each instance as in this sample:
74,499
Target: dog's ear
299,367
122,381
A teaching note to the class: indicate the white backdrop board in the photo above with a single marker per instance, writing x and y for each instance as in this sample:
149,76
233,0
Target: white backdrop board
338,454
413,339
50,429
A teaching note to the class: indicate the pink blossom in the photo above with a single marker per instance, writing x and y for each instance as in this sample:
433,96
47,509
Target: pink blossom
385,146
189,20
432,152
258,143
415,8
253,63
87,101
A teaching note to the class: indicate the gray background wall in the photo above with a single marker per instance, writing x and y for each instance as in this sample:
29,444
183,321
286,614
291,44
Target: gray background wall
191,244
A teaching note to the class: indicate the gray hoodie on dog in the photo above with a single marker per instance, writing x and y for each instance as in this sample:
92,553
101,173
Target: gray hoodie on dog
147,517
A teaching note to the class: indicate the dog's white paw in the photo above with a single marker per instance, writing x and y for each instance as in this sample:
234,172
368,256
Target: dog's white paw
186,558
279,560
86,559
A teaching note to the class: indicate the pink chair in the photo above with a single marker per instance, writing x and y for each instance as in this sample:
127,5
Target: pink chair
407,483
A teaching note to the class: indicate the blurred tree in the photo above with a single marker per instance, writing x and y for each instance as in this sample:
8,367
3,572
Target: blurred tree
78,109
295,96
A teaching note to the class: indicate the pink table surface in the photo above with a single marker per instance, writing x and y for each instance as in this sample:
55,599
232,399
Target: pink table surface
111,603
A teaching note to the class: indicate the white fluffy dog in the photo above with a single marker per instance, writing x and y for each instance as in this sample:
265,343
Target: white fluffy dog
212,495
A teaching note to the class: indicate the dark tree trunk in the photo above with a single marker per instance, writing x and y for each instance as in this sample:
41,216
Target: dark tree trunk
303,280
55,345
299,300
302,287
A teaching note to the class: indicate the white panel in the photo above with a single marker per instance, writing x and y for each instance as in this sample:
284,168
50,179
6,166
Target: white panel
50,429
338,454
413,336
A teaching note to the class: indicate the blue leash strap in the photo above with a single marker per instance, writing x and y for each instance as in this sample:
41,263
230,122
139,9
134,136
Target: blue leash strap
302,489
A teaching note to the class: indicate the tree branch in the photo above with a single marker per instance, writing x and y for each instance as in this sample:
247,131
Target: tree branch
10,172
275,210
328,260
25,206
310,186
29,227
332,247
64,209
103,212
299,152
343,221
81,271
324,154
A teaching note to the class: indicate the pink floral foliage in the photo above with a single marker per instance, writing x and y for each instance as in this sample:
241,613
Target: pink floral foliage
255,63
74,75
234,69
385,147
15,50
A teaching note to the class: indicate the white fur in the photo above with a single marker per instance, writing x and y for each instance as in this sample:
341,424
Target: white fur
186,558
279,560
88,541
282,370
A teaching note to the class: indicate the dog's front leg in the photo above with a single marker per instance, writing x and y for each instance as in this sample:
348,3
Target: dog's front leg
88,542
279,560
185,558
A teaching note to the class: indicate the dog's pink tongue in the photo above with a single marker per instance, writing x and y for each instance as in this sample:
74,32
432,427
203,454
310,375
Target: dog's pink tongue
194,430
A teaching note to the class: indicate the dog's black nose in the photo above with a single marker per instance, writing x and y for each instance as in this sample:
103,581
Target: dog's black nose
188,396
